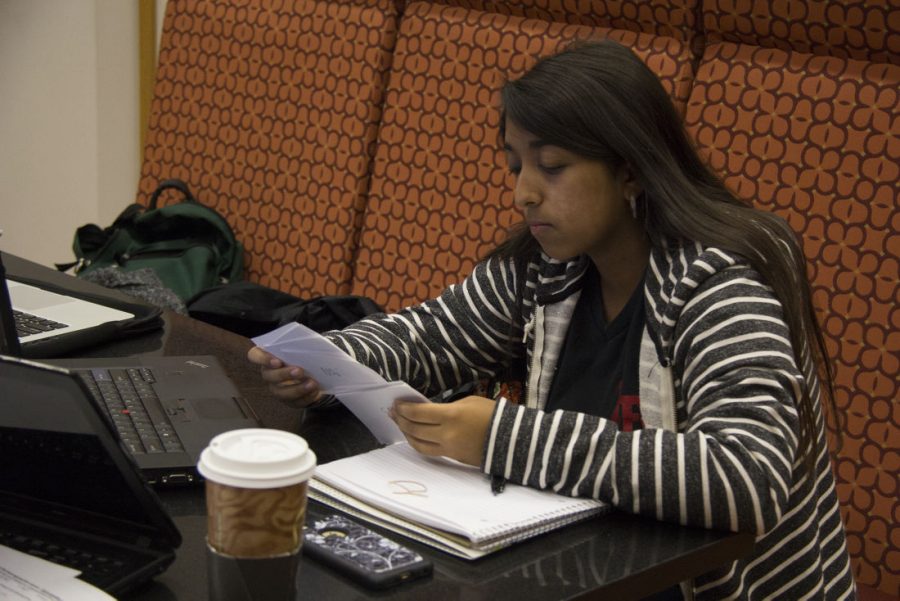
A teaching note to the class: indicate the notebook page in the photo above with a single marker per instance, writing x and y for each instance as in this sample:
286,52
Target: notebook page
439,539
446,495
449,543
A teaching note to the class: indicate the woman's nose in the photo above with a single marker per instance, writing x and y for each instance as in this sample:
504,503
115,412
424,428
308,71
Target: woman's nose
526,193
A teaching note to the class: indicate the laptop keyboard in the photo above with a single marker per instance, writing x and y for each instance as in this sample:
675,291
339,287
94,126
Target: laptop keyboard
28,324
134,408
95,565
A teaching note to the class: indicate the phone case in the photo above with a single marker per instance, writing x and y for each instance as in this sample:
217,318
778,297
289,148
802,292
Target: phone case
362,554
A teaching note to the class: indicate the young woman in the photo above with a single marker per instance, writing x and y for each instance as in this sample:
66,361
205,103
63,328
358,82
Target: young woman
671,354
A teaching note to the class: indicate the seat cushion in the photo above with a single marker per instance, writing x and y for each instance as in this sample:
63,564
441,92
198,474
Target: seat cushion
440,195
817,140
857,29
670,18
268,110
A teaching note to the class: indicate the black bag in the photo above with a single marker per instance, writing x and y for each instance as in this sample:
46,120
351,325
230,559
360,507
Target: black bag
189,246
250,309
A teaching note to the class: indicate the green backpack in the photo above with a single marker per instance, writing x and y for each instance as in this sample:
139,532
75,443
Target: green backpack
189,246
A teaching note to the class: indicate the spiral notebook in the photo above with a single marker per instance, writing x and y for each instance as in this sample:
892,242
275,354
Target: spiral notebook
441,502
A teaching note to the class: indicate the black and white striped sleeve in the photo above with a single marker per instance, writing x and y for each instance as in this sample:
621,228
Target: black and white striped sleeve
460,336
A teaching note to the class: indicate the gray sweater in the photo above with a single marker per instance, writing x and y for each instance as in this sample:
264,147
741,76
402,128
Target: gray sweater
717,385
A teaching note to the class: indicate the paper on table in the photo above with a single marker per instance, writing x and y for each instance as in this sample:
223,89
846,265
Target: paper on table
24,577
450,496
362,390
449,543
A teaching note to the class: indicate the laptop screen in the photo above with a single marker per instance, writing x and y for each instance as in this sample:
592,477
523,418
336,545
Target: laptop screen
9,340
62,466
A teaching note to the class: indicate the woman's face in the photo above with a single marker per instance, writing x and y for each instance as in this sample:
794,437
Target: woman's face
572,205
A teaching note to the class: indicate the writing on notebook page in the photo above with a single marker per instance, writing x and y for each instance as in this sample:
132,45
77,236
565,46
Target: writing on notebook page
408,487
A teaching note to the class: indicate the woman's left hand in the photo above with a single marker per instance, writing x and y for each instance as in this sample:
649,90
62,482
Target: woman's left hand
456,430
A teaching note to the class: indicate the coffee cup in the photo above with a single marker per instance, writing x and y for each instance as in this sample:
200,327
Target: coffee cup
256,484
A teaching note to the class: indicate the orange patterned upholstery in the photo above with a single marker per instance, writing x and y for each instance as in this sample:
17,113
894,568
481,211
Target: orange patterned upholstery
268,109
857,29
439,196
817,140
670,18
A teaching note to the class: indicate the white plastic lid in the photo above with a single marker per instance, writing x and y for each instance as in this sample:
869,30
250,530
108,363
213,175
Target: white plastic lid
257,458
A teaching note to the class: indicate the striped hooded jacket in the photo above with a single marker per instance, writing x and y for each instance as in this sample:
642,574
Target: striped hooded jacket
717,383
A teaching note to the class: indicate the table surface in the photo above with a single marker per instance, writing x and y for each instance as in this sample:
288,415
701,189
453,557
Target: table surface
614,556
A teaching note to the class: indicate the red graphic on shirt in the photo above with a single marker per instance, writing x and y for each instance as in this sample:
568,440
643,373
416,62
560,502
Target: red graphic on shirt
627,413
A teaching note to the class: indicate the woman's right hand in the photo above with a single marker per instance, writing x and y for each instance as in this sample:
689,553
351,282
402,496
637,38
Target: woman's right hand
288,383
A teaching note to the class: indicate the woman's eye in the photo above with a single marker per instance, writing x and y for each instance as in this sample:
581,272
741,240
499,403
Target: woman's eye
552,169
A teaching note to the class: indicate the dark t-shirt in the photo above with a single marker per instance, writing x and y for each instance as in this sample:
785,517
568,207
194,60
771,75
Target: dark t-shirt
597,371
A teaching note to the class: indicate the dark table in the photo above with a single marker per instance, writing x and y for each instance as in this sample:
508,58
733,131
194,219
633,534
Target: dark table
615,556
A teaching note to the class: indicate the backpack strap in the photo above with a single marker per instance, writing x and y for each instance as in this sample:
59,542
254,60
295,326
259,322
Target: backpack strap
175,184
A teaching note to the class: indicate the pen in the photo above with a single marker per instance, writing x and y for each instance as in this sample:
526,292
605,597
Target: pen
498,483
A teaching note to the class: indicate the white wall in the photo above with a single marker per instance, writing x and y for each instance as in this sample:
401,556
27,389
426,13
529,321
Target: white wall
69,120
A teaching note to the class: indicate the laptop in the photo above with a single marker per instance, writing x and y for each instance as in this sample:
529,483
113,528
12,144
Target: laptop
166,409
69,492
41,314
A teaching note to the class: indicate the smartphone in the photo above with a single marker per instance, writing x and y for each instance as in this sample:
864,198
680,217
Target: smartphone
362,554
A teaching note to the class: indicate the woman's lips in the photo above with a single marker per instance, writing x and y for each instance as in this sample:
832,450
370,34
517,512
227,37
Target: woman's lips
538,227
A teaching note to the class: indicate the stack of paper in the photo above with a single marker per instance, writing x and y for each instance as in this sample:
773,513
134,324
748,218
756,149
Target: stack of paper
362,390
27,578
441,502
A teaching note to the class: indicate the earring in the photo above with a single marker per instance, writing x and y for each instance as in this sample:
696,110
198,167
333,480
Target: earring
633,204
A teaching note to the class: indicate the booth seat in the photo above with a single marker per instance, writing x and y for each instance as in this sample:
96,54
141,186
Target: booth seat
440,195
269,111
352,145
797,104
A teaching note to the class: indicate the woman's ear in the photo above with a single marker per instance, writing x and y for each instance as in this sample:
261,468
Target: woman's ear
631,188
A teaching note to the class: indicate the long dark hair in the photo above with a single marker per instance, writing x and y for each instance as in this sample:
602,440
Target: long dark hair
600,101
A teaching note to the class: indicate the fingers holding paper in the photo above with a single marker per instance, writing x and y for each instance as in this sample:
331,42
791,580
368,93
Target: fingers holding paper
329,370
288,383
456,430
